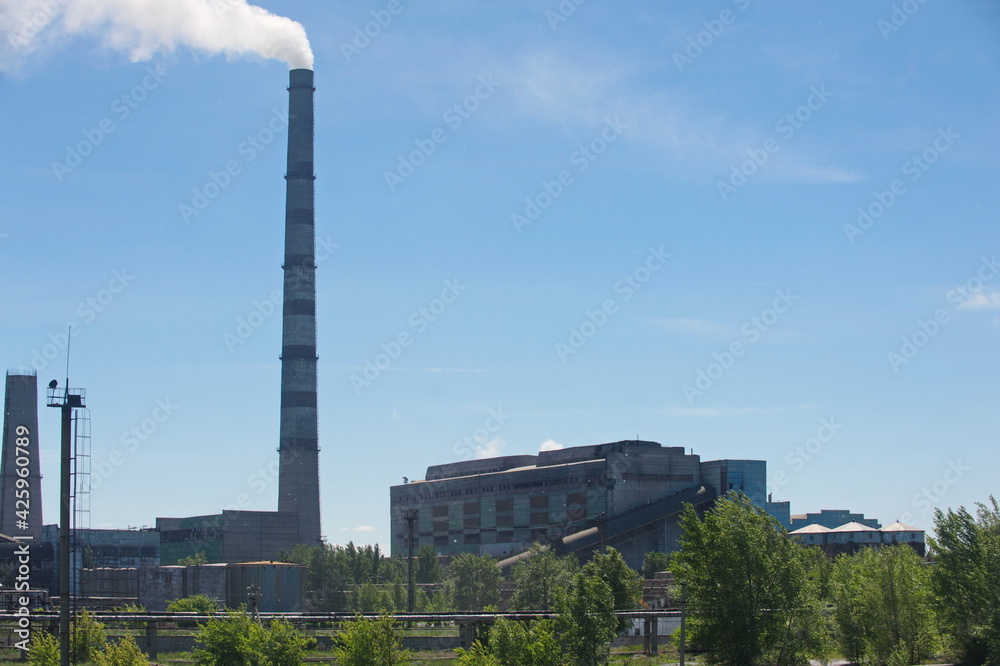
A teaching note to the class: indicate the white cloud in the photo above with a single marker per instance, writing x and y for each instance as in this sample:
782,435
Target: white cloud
360,528
490,449
551,445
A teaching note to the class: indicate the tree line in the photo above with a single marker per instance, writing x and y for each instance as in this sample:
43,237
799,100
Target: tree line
756,597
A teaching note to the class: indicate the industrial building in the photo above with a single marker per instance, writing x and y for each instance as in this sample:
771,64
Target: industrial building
626,494
232,536
853,536
275,587
832,518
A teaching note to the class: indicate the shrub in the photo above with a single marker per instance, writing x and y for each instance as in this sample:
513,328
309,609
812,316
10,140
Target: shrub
122,652
43,650
365,642
477,656
87,638
128,609
199,603
238,640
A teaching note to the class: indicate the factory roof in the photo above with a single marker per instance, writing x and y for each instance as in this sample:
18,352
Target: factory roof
812,529
901,527
854,527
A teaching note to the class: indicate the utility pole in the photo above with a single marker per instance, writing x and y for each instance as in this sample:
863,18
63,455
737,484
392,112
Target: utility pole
409,515
66,400
684,588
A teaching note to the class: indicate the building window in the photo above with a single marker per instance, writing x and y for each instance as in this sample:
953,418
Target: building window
472,539
441,541
505,505
505,521
505,537
540,502
539,518
440,510
471,507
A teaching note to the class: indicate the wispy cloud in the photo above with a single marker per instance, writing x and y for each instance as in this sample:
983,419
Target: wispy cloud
570,91
698,327
982,300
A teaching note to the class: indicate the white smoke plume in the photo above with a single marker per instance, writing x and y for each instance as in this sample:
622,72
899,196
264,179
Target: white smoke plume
143,28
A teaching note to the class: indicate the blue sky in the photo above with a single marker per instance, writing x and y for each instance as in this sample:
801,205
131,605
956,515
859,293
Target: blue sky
758,230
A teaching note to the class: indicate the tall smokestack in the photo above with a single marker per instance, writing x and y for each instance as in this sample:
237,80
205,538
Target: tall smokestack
298,451
20,451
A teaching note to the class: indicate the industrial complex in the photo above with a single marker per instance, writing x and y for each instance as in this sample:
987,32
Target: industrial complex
627,494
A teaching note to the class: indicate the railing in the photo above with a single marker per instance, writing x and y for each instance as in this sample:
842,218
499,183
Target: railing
155,625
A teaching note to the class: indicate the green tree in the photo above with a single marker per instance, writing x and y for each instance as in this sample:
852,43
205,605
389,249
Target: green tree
587,623
123,652
539,576
654,562
750,597
474,581
197,558
427,569
626,586
87,639
280,644
514,643
966,578
366,642
884,606
224,640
